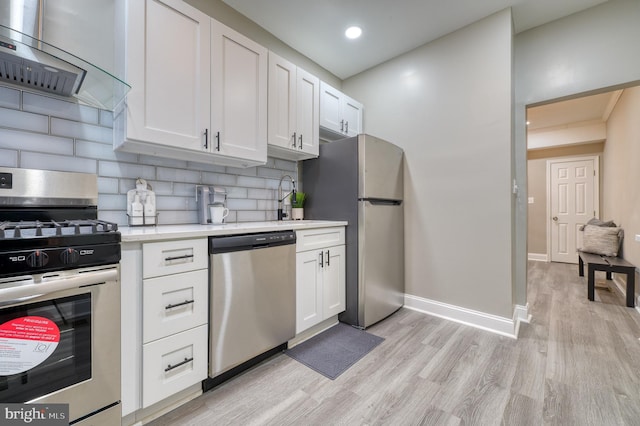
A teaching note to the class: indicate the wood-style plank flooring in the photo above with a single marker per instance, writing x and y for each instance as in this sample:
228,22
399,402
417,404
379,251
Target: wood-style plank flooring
576,363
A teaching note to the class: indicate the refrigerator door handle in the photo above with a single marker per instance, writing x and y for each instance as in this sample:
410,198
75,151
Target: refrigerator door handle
381,201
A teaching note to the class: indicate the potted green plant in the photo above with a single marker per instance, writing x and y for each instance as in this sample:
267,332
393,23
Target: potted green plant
297,206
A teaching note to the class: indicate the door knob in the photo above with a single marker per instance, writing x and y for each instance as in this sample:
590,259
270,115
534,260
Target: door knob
555,218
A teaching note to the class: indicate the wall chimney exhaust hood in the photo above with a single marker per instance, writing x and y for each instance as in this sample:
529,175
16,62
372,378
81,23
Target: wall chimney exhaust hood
31,63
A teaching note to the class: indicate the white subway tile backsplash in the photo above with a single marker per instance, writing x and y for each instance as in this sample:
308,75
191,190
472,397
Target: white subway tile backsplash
236,192
267,204
175,203
112,202
250,171
205,167
251,182
242,204
184,189
262,194
126,170
172,217
108,185
251,216
58,108
34,160
291,166
102,151
178,175
161,188
24,120
9,98
74,129
37,142
159,161
106,118
8,158
220,179
76,142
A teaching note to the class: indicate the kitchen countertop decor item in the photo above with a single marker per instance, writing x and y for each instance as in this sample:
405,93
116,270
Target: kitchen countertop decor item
141,205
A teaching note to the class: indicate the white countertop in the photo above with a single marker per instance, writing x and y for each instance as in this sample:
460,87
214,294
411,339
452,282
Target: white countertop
171,232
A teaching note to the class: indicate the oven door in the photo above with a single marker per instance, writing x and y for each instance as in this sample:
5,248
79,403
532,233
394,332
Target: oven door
60,339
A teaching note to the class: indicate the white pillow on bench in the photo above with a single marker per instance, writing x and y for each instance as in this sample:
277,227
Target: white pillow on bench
601,240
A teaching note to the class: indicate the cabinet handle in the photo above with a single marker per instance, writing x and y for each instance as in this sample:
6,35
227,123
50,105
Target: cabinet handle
328,257
342,125
218,143
300,139
186,302
171,367
346,127
186,256
321,259
206,138
294,139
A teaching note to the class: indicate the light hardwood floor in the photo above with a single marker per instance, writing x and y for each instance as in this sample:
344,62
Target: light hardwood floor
576,363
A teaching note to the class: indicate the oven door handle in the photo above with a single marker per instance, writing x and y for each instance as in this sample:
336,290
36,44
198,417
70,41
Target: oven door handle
19,294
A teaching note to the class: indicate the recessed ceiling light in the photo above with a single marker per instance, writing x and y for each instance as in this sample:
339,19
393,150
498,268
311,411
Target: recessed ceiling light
528,122
353,32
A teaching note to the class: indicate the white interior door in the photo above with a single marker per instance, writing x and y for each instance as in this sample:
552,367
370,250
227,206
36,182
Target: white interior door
573,201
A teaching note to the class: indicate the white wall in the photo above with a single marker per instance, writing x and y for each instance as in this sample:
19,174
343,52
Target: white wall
448,105
585,52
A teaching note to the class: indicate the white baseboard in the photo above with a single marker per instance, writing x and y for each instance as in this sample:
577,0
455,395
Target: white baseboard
493,323
538,257
622,288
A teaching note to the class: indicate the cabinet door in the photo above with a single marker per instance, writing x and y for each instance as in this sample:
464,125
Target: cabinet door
238,95
308,290
334,281
330,110
352,114
282,102
169,73
308,112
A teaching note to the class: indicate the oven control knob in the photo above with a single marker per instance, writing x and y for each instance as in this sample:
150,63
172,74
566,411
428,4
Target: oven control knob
69,256
37,258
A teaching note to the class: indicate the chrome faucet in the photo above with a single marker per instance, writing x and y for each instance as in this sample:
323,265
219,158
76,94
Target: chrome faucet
281,197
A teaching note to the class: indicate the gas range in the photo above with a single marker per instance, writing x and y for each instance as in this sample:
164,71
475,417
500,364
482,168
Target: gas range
48,222
37,246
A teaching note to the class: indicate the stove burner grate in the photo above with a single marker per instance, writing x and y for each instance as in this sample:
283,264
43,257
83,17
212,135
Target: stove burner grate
37,229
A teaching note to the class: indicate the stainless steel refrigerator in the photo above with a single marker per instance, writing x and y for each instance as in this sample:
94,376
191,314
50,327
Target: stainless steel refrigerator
360,180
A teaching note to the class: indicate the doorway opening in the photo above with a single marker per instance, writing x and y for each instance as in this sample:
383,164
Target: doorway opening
574,160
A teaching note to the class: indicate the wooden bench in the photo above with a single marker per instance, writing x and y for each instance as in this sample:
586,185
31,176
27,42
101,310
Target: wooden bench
607,264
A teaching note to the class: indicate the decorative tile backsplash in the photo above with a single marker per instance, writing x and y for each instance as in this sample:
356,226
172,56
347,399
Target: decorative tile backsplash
40,132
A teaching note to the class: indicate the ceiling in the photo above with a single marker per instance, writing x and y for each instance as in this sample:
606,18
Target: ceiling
316,28
594,108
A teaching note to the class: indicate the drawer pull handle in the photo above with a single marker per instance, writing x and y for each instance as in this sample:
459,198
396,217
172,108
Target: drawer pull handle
328,258
186,302
186,256
171,367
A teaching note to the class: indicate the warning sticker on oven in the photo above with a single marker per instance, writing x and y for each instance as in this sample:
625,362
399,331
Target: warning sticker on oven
26,342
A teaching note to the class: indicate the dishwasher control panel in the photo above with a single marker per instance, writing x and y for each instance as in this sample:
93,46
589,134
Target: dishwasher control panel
229,243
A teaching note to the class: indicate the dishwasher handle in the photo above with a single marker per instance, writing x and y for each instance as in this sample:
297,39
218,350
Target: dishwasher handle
232,243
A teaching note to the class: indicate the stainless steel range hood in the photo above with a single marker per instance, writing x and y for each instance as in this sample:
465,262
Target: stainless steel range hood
28,61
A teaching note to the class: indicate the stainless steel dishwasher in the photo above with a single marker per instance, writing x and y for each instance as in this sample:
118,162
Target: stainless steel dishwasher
253,297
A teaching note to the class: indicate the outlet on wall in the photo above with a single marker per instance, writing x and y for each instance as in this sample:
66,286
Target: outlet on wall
638,237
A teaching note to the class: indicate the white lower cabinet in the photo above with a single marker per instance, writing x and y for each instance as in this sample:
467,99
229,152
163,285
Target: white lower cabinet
175,313
320,276
173,363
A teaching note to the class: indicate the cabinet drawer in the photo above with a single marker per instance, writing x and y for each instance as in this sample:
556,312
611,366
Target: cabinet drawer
174,303
172,364
173,257
311,239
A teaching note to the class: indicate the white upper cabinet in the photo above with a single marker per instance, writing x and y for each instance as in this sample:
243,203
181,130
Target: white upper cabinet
199,89
340,115
294,110
168,71
239,96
